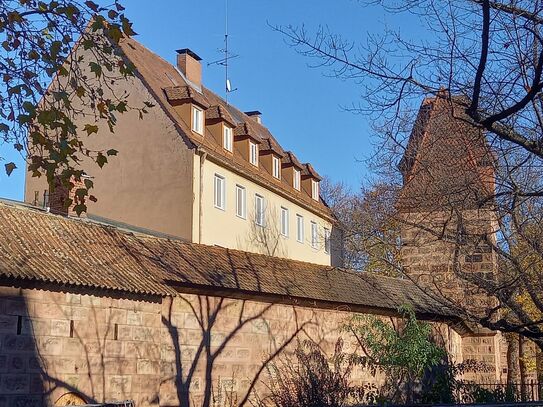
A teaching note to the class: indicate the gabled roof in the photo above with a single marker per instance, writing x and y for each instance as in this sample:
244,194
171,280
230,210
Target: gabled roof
309,171
176,94
158,75
271,145
218,112
246,130
290,159
38,247
447,162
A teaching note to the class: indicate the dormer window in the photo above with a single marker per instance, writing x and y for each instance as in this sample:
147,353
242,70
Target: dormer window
276,167
253,153
197,120
297,178
227,138
315,190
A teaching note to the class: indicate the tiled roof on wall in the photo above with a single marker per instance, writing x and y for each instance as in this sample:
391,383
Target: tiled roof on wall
40,247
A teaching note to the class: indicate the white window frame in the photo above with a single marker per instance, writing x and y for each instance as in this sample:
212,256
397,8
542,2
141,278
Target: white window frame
327,243
260,212
315,190
197,120
299,228
253,153
284,221
241,202
314,235
276,167
297,179
219,180
227,138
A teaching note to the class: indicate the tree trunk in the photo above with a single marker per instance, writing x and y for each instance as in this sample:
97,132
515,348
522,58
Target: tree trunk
513,368
523,353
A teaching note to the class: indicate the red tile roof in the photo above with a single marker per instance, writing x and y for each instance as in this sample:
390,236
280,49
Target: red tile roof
158,75
218,112
447,162
44,248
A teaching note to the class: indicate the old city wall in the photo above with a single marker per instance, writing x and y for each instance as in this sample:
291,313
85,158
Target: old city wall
156,351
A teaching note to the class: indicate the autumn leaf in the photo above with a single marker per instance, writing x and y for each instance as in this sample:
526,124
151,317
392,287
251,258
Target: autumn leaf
9,168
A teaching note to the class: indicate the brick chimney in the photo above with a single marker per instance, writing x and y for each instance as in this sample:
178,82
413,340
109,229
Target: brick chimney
188,62
57,202
255,115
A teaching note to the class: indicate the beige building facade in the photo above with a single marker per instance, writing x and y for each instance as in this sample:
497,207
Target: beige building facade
199,169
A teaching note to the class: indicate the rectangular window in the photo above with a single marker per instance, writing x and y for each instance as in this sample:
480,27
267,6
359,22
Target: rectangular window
197,120
276,165
227,138
315,190
327,240
284,221
219,192
253,153
259,210
314,237
297,179
300,228
241,202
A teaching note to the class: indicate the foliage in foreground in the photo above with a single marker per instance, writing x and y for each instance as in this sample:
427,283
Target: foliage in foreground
312,379
402,353
58,64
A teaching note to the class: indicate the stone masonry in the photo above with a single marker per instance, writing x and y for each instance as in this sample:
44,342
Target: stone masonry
158,351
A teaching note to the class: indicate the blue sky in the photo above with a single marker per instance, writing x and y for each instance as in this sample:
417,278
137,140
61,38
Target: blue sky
300,105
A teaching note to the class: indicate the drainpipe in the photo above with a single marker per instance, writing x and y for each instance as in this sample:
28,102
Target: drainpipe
203,156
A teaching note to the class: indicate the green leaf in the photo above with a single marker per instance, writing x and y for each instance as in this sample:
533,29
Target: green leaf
101,160
88,183
127,27
80,208
97,69
9,168
92,5
90,128
111,152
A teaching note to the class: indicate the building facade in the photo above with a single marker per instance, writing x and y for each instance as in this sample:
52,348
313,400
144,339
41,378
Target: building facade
199,169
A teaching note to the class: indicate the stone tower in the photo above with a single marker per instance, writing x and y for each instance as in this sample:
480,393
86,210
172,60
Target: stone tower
448,224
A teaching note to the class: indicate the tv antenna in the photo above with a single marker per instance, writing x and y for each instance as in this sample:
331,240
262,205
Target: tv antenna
226,58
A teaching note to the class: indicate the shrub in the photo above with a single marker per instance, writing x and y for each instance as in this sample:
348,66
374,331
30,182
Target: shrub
313,380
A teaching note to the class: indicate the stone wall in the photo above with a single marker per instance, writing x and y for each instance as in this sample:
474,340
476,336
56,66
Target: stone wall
157,351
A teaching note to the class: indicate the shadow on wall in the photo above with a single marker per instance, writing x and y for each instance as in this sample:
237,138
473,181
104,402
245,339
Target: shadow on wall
64,348
24,379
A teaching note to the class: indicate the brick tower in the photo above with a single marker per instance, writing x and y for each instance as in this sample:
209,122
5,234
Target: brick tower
448,224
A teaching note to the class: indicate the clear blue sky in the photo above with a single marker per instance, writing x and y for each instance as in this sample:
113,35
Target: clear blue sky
300,105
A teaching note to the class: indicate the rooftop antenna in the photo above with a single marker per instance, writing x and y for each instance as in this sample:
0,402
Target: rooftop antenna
227,56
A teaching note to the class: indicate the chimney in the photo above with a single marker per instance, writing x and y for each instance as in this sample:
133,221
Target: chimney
59,195
256,115
189,64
